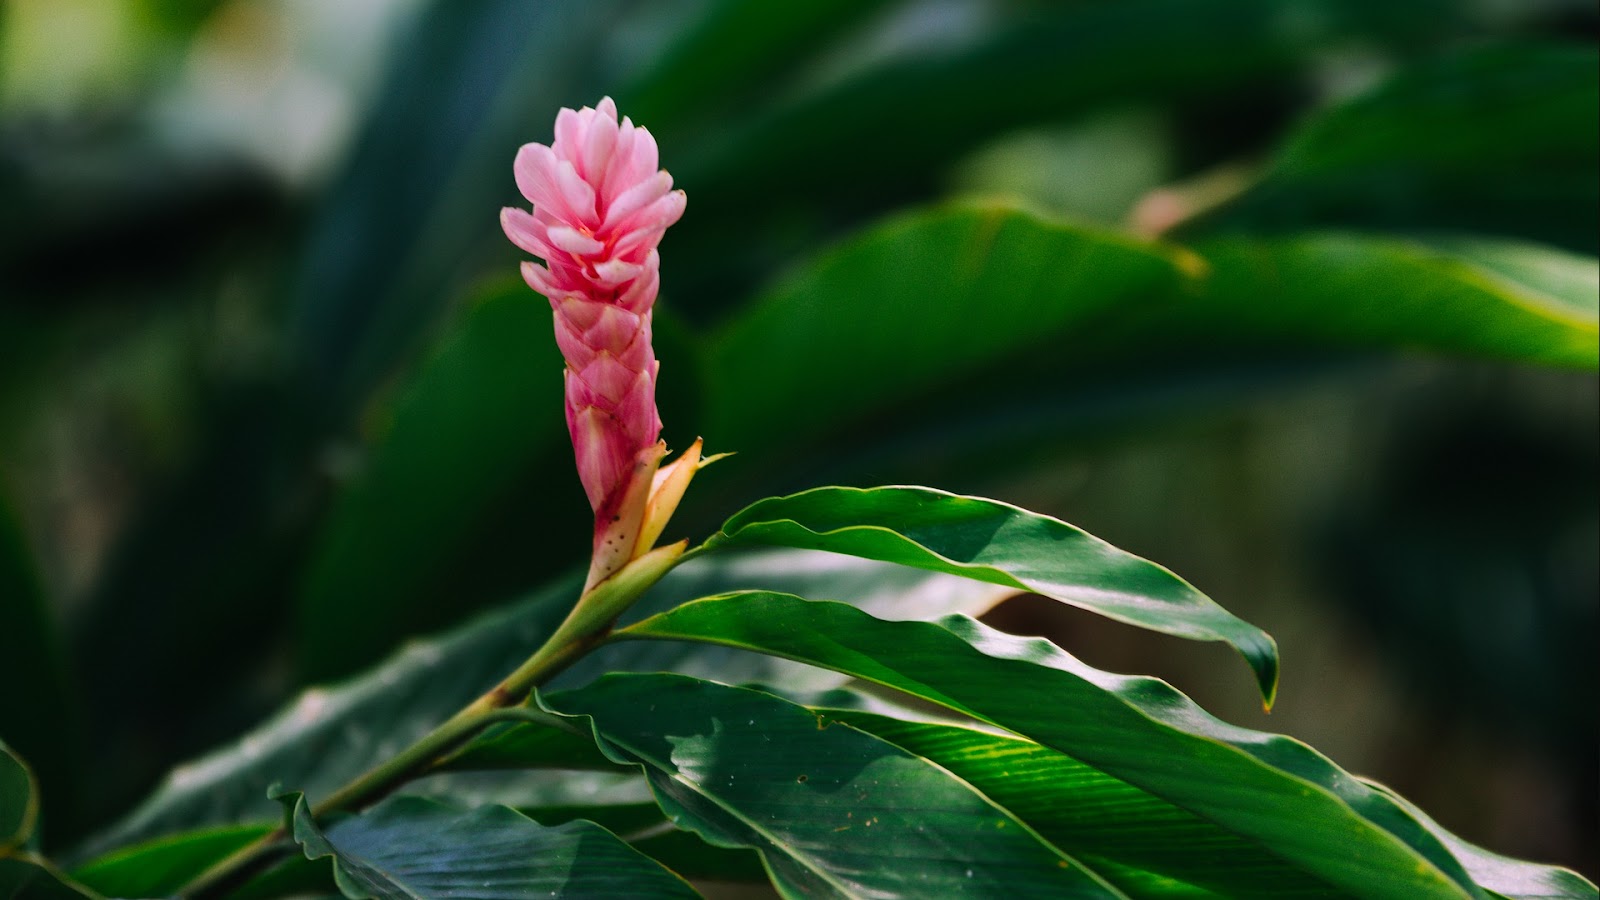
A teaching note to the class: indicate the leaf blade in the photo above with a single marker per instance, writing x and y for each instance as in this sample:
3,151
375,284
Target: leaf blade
412,847
833,810
1269,788
999,544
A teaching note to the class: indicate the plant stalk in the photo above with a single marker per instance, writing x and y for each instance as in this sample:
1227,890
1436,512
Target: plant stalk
584,628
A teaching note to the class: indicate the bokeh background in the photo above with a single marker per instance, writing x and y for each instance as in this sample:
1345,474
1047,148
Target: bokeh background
272,399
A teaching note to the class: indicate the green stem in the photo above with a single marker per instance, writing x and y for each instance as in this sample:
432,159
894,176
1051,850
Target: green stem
585,627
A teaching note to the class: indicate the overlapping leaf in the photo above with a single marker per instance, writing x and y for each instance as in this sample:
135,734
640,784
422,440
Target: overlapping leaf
1142,844
1268,789
161,867
412,847
1001,544
834,811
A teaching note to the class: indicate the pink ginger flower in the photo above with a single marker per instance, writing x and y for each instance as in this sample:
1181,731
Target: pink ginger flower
600,207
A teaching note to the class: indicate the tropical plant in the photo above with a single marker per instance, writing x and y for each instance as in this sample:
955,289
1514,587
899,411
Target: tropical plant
813,695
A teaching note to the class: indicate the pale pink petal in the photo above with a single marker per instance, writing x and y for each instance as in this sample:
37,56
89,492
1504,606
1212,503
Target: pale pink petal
613,183
642,161
573,241
650,223
525,231
636,198
538,278
569,132
535,169
597,147
576,193
614,272
641,292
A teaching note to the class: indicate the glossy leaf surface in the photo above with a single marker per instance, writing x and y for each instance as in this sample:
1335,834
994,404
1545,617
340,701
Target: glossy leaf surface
1142,844
1001,544
412,847
160,867
834,811
1268,789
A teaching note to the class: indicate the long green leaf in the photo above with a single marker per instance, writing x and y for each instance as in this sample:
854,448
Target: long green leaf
834,811
1144,845
409,847
913,303
160,867
329,735
1001,544
646,828
1511,878
1269,789
1502,300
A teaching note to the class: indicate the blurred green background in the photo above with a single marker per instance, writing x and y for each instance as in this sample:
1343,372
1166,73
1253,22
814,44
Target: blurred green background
273,400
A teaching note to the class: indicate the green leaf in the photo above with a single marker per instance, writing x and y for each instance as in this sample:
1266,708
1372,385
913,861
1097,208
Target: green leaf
527,745
834,811
1269,789
329,735
1511,878
411,847
1497,138
159,868
1000,544
464,431
917,301
1510,301
1139,842
646,828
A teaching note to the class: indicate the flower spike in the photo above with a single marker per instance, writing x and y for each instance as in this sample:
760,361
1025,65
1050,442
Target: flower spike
600,207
